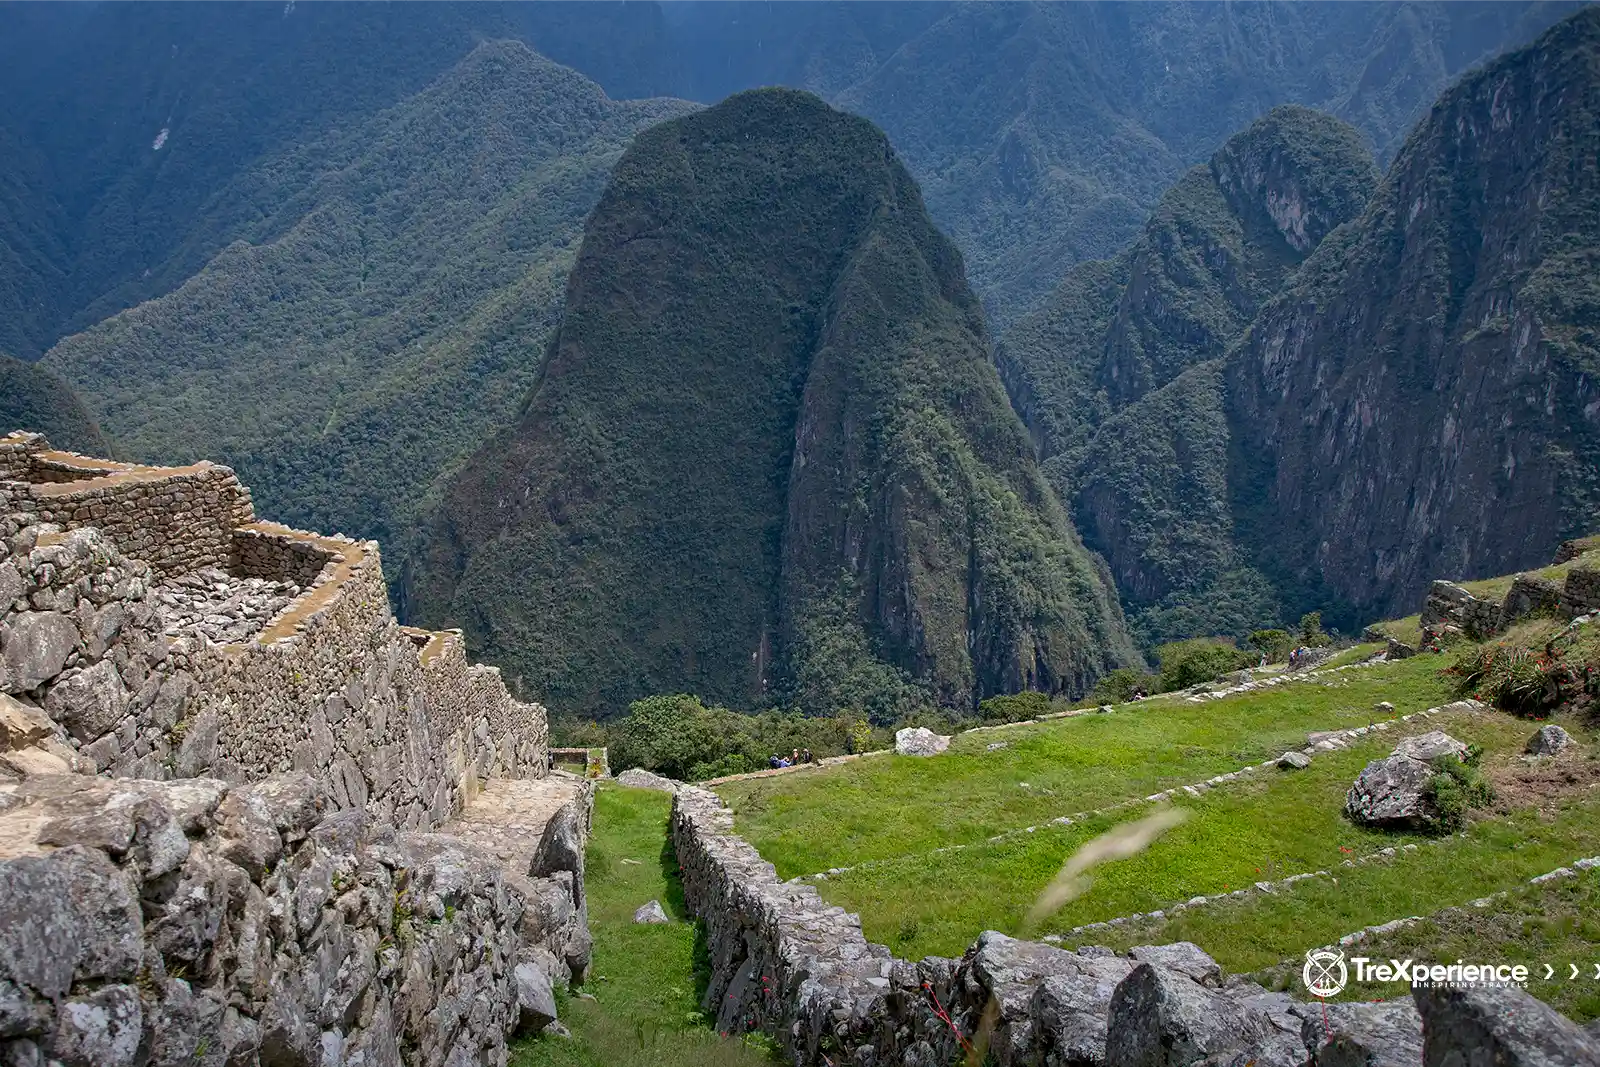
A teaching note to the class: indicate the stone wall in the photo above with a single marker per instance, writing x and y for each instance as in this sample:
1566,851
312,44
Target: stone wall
201,924
176,519
1449,605
387,719
267,553
785,962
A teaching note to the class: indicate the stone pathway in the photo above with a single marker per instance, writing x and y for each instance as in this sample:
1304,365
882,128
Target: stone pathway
508,816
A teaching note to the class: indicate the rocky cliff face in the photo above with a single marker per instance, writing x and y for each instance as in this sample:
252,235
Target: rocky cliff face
1423,401
1120,375
768,452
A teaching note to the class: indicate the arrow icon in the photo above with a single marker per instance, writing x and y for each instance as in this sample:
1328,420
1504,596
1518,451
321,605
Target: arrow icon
1597,971
1574,967
1548,971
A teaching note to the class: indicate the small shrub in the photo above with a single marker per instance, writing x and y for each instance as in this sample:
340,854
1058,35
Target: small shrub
1014,707
1311,633
1119,686
1199,659
1516,679
1457,788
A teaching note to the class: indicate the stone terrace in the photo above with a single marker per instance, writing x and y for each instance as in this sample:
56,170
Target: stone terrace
224,773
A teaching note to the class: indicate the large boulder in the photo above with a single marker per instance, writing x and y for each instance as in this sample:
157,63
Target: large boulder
651,914
1392,792
1500,1026
36,647
639,778
1387,1034
536,1000
1160,1018
919,741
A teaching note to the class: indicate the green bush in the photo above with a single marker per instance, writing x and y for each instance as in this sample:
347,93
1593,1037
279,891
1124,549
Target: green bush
1311,633
665,734
1199,659
1119,686
1456,788
1274,644
1015,707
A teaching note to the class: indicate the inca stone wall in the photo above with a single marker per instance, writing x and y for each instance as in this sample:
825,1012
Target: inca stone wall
785,962
199,923
329,685
217,767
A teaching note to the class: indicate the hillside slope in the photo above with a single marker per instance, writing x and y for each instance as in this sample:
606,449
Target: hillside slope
32,398
390,307
1425,400
768,456
131,118
1119,374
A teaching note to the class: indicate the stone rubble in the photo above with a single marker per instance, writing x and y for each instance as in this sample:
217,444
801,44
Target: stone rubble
221,608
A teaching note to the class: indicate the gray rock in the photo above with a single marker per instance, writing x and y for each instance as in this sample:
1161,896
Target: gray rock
1389,792
1363,1035
11,586
294,803
37,644
1498,1026
558,1030
919,741
245,833
1398,649
181,1025
639,778
536,1001
1550,740
198,750
1184,957
1430,746
651,913
71,916
1160,1018
1294,760
99,1030
1070,1011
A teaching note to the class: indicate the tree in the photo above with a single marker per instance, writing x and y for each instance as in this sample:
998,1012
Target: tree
665,734
1275,644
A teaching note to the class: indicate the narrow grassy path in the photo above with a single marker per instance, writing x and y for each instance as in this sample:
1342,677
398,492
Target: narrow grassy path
646,980
891,806
1259,829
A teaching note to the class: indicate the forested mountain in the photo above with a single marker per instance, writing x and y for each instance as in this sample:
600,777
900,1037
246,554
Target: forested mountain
32,398
1043,133
1245,438
1119,374
127,119
768,455
386,305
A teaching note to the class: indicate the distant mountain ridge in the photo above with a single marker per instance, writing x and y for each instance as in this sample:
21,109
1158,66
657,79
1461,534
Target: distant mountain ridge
132,117
1252,424
768,458
1043,133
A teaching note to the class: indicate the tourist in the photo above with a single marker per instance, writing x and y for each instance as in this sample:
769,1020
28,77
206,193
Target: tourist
806,756
794,758
774,762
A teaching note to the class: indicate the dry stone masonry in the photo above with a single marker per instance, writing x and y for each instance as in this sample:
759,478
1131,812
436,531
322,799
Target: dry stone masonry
224,773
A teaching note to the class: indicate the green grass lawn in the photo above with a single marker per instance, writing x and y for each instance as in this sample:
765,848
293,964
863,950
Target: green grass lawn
1555,922
646,980
1263,829
891,806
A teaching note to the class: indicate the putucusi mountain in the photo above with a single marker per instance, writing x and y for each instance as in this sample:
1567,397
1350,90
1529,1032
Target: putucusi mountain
1302,388
768,456
385,305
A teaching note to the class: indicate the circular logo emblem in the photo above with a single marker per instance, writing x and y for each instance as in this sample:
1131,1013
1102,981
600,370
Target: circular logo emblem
1325,973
